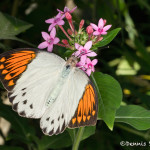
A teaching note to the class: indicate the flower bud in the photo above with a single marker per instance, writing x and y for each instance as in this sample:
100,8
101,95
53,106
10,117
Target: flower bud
89,30
68,16
64,41
81,24
104,21
100,38
69,31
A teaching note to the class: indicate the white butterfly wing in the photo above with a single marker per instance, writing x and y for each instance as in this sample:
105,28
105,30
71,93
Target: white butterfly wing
63,110
31,91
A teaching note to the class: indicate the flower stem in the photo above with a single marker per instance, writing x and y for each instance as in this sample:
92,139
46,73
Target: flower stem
78,138
71,25
61,27
62,45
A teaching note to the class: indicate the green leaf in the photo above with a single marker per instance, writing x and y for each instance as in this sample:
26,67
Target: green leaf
68,53
1,86
136,116
110,96
4,147
88,131
11,26
19,124
55,141
17,39
107,38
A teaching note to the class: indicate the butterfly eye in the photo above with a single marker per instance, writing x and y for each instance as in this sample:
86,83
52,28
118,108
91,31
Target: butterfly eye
68,67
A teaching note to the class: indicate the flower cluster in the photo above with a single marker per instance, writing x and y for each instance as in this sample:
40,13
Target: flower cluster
79,41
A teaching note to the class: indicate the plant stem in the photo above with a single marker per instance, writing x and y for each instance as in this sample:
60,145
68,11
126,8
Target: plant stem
15,7
61,27
78,138
143,135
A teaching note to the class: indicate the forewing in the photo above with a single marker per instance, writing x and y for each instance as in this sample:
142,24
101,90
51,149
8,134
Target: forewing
34,85
64,110
13,64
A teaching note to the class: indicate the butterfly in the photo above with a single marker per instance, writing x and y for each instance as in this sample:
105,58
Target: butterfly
44,86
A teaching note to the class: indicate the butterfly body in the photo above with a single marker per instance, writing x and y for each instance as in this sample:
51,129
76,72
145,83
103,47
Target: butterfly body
62,79
43,85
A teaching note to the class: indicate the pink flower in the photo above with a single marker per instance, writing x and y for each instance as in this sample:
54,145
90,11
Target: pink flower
90,66
100,29
81,65
66,9
50,40
55,21
85,51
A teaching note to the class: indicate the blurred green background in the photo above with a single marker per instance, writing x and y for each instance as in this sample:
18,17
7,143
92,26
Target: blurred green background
127,59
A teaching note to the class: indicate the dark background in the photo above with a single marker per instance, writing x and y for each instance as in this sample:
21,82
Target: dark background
126,59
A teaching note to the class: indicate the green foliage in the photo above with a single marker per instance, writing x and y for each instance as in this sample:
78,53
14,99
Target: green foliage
11,26
10,148
19,124
110,96
127,61
135,116
54,142
107,38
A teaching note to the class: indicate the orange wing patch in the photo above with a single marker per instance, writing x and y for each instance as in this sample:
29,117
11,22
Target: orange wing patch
13,64
86,113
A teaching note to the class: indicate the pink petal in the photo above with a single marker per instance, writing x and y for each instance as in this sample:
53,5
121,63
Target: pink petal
104,33
94,26
51,26
59,11
94,62
66,9
77,45
86,66
92,54
88,60
81,63
93,69
56,40
101,23
80,48
107,28
49,20
43,45
58,15
88,72
96,33
77,53
63,16
61,22
83,58
71,11
45,36
53,33
88,45
50,48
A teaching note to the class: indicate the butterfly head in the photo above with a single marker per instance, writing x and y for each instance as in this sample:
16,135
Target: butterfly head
72,61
